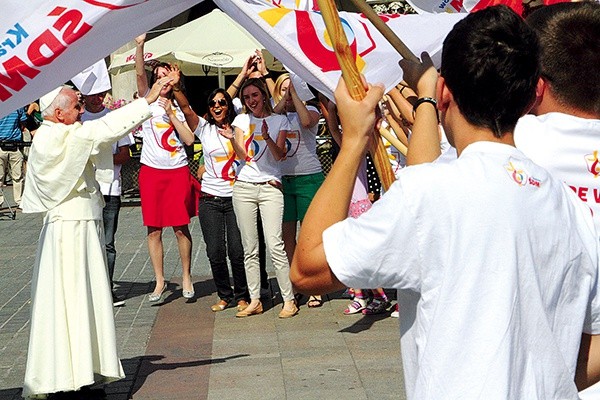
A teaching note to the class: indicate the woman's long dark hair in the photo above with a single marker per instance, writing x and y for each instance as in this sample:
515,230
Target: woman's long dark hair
230,108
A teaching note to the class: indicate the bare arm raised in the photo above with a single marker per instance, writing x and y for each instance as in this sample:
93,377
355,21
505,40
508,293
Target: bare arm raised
424,141
140,71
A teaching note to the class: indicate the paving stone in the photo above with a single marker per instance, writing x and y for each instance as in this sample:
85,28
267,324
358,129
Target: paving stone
179,349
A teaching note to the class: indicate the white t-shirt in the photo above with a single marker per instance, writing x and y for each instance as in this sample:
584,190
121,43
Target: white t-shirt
162,148
301,145
505,261
220,160
114,188
568,147
260,165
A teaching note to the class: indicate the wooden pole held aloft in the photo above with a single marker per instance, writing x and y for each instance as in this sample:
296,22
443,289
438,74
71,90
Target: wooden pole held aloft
352,79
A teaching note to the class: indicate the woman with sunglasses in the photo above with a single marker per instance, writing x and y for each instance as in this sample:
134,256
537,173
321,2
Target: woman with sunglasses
301,169
165,181
215,212
258,139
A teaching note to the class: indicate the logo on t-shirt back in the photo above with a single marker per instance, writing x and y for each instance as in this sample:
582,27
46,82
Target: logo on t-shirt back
518,174
592,163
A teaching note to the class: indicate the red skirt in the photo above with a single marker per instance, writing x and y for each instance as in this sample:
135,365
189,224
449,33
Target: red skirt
169,196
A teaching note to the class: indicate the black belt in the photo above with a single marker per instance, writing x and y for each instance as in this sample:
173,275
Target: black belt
212,196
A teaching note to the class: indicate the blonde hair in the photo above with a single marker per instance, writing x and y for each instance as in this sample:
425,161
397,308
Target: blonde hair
277,89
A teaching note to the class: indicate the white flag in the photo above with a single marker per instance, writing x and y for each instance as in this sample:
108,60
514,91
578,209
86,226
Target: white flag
295,34
45,43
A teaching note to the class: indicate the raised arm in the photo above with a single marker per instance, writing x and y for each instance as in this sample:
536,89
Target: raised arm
308,118
140,72
424,143
185,134
264,72
310,272
241,77
280,106
191,117
401,98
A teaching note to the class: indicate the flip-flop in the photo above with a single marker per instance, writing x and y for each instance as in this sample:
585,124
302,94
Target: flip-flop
314,302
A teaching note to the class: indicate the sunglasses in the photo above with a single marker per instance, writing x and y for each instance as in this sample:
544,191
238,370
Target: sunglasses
222,103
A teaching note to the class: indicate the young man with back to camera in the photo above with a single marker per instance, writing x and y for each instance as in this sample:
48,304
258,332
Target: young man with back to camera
489,310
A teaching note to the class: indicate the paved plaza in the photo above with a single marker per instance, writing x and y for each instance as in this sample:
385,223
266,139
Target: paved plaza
179,349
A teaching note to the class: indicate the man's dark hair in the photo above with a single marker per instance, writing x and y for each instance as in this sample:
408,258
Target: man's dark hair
230,108
569,35
490,62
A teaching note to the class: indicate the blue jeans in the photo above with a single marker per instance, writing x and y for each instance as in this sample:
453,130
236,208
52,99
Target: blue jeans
222,237
110,216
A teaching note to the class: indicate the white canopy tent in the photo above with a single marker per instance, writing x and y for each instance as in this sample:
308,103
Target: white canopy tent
210,45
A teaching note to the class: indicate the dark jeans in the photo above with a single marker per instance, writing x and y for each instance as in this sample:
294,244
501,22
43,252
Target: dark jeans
110,216
222,237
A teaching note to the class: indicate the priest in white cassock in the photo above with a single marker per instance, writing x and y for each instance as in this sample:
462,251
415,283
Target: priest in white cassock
72,341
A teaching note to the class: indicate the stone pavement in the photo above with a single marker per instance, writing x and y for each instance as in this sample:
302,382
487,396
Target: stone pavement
179,349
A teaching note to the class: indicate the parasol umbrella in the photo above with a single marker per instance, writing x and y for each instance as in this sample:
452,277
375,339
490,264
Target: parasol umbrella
213,44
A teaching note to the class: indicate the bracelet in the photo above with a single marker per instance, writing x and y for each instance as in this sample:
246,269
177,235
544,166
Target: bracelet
429,100
235,86
176,89
267,75
403,87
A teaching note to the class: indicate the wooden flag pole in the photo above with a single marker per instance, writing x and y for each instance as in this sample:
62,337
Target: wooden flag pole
351,76
385,30
393,140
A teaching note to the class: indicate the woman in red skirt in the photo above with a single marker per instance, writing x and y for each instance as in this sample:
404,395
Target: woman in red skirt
166,185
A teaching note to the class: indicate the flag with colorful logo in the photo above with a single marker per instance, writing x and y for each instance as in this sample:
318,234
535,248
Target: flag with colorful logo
294,32
45,43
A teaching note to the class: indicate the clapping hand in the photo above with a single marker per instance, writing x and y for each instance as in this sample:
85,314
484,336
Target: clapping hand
265,130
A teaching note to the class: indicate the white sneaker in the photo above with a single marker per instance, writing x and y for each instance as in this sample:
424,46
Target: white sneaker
395,313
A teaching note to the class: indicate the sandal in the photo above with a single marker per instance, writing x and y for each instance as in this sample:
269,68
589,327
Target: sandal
377,306
314,302
355,307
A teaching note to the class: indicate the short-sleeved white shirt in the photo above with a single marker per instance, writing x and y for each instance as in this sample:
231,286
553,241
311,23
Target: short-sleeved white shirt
162,148
260,164
502,261
568,147
301,145
220,160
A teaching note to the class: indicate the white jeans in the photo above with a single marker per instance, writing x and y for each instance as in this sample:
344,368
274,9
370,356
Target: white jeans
248,199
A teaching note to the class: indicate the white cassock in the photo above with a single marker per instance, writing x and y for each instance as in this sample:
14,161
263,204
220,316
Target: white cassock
72,341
